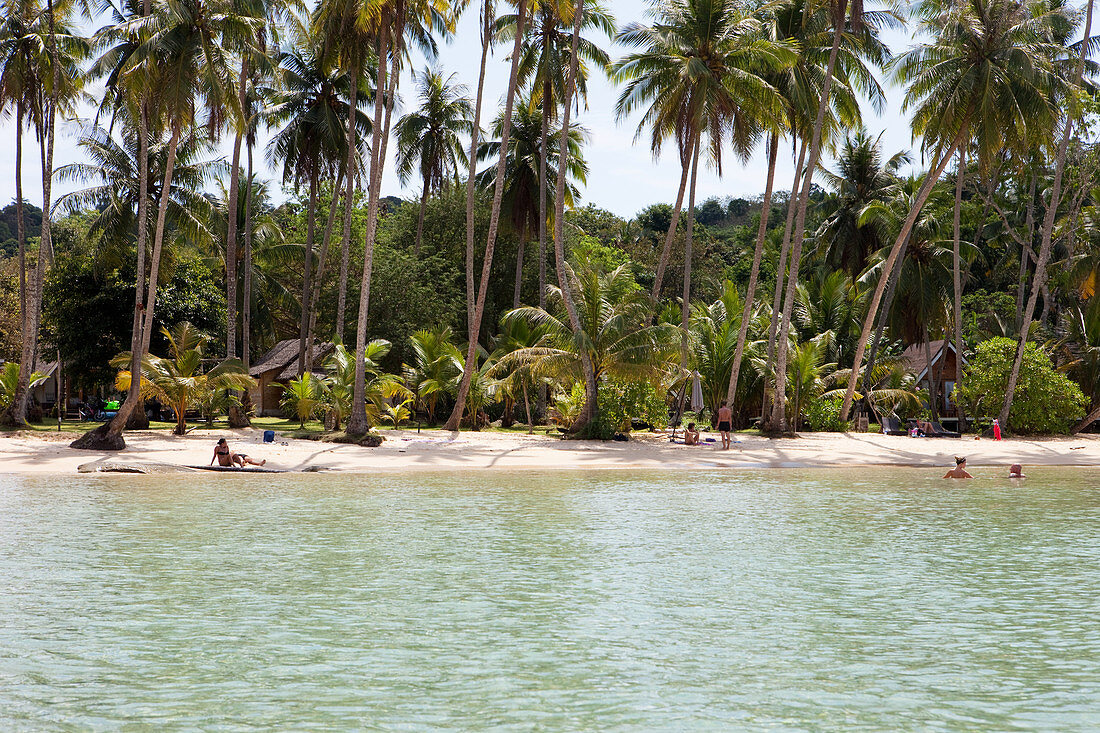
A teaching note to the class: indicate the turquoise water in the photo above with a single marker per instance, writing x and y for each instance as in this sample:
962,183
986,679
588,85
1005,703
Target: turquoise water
812,600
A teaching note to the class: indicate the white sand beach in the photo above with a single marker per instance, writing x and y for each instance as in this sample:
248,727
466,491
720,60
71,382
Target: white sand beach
433,450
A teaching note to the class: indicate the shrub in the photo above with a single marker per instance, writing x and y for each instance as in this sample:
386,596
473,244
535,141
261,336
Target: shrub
823,415
620,401
1045,401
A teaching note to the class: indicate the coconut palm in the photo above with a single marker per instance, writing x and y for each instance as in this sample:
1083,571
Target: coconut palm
476,308
525,158
40,56
178,379
614,336
984,60
428,139
542,70
9,383
301,397
436,367
309,106
698,72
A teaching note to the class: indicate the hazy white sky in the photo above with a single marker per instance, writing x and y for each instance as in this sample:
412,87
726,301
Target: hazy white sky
623,177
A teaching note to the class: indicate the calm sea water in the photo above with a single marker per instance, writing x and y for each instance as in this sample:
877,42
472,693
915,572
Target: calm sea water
824,600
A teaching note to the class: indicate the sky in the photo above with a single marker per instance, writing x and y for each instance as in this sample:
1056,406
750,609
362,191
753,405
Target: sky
624,177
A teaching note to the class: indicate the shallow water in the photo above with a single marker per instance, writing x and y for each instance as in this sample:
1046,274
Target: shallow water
814,600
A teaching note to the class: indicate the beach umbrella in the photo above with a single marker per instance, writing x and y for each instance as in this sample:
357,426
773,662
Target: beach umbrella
696,392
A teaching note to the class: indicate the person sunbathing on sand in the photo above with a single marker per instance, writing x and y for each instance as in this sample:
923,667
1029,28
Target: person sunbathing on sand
959,471
691,435
227,458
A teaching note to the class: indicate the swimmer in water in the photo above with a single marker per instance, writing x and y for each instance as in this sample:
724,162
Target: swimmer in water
959,471
1016,471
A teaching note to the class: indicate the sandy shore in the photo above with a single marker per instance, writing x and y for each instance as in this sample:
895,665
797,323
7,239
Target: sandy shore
405,450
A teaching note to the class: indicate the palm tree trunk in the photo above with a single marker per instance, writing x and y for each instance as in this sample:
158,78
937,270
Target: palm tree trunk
455,419
591,386
880,325
158,238
420,219
357,421
1029,223
307,270
231,233
319,277
9,416
662,262
349,198
956,278
246,297
781,271
754,272
486,41
779,413
876,299
1039,281
519,267
544,138
685,306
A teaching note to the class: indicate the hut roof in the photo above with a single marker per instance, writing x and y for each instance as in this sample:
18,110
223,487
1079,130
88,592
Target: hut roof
283,357
915,356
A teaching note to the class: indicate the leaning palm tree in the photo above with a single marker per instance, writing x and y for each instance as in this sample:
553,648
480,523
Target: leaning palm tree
476,308
525,158
428,140
177,62
987,60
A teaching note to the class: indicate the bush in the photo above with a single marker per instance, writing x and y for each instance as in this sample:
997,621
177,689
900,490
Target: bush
823,415
619,401
1045,401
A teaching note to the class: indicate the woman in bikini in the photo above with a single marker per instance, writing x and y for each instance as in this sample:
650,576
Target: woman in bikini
226,457
959,471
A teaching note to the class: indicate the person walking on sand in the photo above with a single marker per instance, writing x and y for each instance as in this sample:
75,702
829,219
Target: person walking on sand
959,471
725,422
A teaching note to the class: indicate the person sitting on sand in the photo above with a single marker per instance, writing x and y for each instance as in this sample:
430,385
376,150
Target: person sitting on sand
725,422
227,458
1016,471
959,471
691,435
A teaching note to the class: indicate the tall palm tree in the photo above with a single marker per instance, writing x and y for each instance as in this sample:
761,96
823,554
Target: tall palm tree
987,60
401,22
176,61
1039,280
40,56
542,70
428,140
699,72
522,170
310,105
478,311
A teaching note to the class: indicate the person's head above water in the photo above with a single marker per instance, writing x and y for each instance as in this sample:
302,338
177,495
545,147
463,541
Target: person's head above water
960,460
1015,470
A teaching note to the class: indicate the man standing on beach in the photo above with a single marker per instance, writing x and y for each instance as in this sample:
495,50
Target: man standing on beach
725,418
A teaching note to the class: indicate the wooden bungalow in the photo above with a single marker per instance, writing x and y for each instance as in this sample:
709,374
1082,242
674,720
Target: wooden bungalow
276,368
940,371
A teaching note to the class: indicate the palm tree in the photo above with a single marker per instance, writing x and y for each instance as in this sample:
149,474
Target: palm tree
400,21
525,158
436,367
310,104
700,71
613,336
176,61
987,61
478,311
178,380
428,139
114,170
1039,280
542,70
39,60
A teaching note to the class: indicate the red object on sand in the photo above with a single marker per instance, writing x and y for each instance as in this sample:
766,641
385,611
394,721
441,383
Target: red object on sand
996,430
